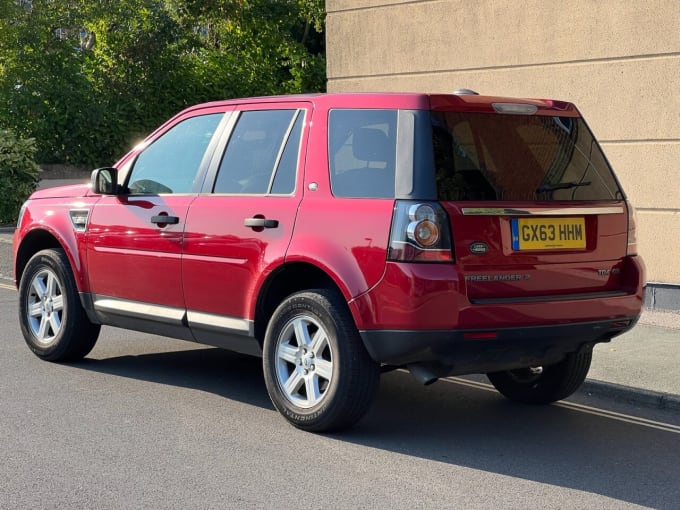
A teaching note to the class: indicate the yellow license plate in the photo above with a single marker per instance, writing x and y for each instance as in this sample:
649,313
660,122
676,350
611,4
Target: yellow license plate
548,233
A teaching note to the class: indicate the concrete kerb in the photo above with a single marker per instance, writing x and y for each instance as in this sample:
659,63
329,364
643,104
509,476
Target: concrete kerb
634,396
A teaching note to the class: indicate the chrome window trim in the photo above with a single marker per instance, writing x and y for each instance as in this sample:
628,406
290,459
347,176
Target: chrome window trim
541,211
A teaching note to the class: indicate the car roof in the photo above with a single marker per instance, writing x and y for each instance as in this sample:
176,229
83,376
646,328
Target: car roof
402,100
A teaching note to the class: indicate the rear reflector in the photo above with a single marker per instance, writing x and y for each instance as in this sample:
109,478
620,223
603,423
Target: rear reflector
481,335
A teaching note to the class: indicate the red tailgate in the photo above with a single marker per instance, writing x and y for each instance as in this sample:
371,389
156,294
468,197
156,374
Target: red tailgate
495,265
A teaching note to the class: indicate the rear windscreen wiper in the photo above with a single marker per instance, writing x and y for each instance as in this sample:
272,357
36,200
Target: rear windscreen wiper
560,185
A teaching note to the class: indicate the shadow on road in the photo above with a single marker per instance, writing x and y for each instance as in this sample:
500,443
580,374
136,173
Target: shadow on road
216,371
548,444
456,425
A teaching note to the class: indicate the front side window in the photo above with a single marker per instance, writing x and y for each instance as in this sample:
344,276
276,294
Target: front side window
481,156
262,153
170,164
362,152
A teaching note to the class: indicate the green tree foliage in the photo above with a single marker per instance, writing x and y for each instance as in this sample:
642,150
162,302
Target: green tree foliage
87,79
41,83
18,173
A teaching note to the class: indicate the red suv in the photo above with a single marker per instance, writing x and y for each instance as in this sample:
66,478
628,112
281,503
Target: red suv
340,235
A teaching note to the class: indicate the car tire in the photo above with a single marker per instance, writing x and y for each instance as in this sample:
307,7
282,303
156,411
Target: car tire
317,371
543,385
53,321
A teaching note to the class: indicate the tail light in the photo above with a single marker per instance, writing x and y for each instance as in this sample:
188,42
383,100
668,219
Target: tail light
632,230
420,233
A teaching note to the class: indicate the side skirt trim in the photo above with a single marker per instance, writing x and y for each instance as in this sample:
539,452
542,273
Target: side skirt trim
231,333
220,323
137,310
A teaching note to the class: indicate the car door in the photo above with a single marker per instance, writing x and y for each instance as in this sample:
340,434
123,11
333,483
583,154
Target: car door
135,238
238,229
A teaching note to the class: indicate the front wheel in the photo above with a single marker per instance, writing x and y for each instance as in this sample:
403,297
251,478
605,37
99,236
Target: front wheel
543,385
52,318
317,371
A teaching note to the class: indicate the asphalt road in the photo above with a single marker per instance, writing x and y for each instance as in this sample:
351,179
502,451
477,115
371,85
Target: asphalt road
5,257
147,422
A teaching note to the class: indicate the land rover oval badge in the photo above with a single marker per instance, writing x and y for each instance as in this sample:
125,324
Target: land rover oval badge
479,248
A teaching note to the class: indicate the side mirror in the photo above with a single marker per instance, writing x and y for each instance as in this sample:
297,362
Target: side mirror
105,181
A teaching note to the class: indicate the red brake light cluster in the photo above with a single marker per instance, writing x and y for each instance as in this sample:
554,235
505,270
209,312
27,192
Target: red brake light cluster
420,233
632,230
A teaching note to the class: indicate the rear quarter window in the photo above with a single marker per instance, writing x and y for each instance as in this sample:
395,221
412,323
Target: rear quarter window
362,153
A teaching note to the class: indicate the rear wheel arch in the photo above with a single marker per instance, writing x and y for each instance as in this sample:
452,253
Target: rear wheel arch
287,280
318,373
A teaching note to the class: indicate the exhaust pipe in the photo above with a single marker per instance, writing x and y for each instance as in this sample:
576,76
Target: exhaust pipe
422,373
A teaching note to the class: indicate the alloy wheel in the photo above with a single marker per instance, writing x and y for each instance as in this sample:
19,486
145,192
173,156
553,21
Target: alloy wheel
45,310
304,362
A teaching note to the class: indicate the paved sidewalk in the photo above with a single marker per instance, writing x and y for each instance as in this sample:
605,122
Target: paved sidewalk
641,366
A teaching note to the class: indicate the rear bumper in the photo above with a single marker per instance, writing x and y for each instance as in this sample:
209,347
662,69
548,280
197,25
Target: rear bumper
490,350
435,297
421,313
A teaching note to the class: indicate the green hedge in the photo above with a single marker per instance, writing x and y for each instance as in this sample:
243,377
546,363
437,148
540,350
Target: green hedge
19,173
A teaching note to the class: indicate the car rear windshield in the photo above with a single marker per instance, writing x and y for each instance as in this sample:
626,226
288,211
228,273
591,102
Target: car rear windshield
481,156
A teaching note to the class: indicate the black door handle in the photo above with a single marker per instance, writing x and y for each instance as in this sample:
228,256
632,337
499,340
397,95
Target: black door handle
260,223
164,219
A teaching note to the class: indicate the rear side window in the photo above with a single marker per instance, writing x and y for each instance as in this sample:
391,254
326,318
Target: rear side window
362,149
284,180
262,153
482,156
